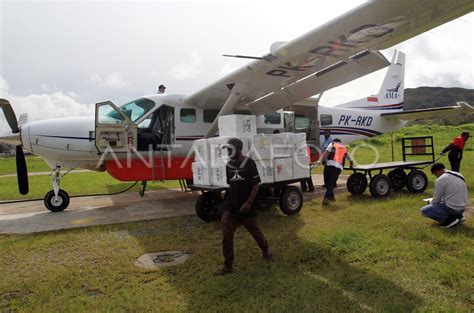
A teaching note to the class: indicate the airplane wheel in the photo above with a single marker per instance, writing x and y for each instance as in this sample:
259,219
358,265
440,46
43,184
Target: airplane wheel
357,183
398,178
417,181
264,199
291,200
380,186
207,206
59,204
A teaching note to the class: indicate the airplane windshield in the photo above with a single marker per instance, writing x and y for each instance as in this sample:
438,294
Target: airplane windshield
137,108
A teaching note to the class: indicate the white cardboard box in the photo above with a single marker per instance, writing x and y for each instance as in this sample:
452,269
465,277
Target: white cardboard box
283,169
237,125
300,147
265,170
217,152
218,175
266,147
201,173
301,167
201,150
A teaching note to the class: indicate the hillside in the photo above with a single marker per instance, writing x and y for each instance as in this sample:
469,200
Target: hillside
432,97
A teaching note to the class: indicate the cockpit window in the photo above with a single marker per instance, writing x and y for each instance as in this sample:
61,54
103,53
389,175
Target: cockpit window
136,109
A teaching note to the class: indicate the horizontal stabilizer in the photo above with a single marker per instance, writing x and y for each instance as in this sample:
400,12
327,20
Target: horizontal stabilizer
460,108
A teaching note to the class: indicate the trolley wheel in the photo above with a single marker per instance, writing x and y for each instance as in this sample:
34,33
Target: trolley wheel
264,199
357,183
380,186
59,204
398,178
291,200
207,206
417,181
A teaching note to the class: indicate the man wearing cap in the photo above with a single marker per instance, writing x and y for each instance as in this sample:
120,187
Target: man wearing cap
243,180
450,198
161,89
455,149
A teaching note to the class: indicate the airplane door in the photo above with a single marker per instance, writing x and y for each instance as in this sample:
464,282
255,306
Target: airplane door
114,129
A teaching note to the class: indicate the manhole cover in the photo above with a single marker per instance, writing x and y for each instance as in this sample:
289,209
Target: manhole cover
162,259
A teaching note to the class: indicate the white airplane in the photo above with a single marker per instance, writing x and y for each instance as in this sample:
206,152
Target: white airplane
118,139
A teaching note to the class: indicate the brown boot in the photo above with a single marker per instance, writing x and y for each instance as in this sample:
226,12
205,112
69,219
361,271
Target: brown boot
325,201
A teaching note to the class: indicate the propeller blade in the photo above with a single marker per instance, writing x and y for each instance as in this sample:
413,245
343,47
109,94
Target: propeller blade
21,170
9,115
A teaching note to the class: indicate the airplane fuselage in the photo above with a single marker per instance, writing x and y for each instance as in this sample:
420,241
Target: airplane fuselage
71,143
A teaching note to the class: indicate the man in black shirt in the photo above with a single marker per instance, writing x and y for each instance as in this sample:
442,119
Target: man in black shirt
243,180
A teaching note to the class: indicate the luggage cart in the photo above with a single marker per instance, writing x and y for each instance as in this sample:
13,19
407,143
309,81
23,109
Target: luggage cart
211,203
401,174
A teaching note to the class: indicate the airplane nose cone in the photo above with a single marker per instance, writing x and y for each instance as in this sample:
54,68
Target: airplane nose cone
10,138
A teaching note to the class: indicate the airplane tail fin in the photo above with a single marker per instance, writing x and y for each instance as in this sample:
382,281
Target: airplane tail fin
391,94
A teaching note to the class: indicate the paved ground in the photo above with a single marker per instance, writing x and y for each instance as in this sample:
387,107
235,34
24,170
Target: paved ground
31,217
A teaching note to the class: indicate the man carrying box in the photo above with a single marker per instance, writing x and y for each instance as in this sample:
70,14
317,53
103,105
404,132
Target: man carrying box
243,180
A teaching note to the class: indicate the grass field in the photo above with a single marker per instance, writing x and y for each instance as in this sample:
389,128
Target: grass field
359,254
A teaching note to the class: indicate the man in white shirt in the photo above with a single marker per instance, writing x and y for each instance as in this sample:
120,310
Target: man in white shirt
450,198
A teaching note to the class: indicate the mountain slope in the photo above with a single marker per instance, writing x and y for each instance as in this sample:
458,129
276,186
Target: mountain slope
433,97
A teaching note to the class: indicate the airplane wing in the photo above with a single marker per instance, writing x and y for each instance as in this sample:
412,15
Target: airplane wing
375,25
460,108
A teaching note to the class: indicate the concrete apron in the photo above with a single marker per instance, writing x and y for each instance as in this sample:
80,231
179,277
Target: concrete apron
32,217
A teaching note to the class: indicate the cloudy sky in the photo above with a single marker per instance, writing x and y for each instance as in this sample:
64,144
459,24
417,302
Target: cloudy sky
58,58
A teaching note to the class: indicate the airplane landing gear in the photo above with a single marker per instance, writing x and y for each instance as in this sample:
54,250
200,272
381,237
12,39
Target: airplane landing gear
57,200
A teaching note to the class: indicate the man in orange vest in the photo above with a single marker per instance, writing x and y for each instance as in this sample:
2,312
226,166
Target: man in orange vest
455,149
335,155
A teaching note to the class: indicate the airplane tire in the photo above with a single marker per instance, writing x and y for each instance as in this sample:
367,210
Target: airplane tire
380,186
291,200
58,205
207,206
398,178
357,183
417,181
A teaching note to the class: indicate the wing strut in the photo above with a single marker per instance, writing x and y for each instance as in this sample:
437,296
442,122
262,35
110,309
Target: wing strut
226,109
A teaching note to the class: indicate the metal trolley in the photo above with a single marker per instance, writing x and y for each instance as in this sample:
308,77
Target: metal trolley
211,203
401,174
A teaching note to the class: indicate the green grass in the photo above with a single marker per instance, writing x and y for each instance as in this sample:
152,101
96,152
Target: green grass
359,254
34,164
75,184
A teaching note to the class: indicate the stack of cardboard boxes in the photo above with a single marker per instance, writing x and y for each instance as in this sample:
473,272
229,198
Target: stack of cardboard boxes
279,157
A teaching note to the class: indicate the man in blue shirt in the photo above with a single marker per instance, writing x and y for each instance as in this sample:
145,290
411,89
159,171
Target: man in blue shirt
327,140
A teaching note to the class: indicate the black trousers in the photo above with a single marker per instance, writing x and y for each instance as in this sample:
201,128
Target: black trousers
331,174
455,164
307,184
230,222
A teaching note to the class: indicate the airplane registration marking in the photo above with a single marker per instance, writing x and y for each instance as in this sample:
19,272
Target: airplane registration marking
356,37
347,120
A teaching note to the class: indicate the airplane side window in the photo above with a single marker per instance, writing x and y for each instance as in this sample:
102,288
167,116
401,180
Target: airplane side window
302,122
146,122
272,118
138,108
187,115
209,115
326,119
108,115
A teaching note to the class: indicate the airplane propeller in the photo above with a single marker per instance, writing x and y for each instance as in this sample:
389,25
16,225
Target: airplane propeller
21,169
